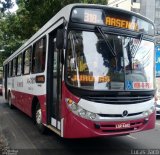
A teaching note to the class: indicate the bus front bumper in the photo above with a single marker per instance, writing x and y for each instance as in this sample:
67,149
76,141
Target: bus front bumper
77,127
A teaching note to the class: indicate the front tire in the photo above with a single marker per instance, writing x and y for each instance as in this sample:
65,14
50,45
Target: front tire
38,119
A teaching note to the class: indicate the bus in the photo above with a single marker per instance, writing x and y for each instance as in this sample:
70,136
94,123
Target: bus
88,72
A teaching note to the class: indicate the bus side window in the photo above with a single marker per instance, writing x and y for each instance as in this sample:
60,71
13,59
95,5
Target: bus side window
27,59
15,66
19,64
12,66
39,54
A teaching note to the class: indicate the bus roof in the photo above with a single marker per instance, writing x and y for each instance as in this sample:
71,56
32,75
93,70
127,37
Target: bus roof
64,13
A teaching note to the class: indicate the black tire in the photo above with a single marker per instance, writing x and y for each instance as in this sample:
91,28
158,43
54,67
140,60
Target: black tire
38,119
10,101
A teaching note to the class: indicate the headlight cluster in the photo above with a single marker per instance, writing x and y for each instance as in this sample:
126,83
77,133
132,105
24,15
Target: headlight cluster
148,112
76,109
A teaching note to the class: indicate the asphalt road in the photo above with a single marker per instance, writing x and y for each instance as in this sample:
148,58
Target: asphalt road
20,136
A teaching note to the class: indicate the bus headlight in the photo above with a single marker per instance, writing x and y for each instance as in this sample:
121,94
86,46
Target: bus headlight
151,110
92,115
76,109
145,113
82,113
148,112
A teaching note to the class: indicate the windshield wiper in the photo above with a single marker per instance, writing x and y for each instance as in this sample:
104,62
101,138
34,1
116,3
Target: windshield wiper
136,47
106,40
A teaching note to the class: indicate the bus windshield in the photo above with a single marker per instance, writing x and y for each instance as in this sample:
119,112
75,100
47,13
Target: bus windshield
109,62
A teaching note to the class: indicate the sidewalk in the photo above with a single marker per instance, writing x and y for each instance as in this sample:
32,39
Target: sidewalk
3,144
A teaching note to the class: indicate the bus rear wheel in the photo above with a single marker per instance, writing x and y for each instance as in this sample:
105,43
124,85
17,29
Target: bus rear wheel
38,119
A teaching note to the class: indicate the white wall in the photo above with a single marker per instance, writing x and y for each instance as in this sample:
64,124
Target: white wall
123,4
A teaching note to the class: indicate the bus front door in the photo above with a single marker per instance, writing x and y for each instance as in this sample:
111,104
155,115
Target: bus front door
54,84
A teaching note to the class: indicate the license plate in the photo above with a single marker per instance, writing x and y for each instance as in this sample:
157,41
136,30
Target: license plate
122,125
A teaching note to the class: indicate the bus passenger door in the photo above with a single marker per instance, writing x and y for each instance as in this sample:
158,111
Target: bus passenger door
53,84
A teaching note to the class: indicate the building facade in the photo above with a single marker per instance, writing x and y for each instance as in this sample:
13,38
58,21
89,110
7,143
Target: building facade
147,8
123,4
130,5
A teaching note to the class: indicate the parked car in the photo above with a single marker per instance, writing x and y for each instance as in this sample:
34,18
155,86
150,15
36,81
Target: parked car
158,108
158,104
157,99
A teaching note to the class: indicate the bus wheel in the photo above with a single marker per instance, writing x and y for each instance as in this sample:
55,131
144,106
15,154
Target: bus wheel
10,101
38,119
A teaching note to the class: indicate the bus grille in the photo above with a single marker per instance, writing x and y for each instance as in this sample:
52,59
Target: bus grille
119,99
119,115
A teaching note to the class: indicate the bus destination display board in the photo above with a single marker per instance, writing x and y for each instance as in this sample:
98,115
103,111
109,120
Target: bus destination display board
111,18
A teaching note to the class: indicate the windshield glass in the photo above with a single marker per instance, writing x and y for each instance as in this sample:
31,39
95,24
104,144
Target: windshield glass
109,62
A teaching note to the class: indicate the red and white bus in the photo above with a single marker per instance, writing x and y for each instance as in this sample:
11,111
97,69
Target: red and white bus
88,72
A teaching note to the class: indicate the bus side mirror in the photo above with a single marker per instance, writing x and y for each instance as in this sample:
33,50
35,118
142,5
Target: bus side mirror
60,39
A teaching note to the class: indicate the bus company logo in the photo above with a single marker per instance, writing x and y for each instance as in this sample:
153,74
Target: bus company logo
31,80
19,84
125,113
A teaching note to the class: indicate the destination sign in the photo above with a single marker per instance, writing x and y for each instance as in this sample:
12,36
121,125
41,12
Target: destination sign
121,23
112,18
89,78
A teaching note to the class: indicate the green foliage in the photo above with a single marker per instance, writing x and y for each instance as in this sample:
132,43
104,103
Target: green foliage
17,27
9,36
40,11
4,6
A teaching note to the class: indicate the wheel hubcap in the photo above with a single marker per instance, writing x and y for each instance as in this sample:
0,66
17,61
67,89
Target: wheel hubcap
38,116
9,101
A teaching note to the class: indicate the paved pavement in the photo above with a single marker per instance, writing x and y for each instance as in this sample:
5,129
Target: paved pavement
21,136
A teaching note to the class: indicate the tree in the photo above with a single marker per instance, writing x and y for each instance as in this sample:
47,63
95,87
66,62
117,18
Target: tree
41,11
11,35
16,28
